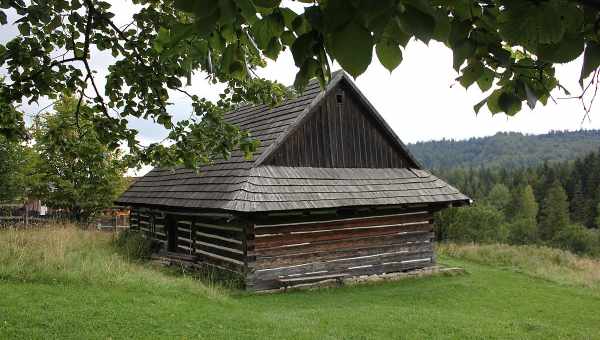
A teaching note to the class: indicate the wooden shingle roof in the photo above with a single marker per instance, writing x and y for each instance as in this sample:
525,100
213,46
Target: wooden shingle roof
237,184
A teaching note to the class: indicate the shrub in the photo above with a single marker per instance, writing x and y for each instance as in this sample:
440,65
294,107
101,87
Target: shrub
133,245
578,239
479,223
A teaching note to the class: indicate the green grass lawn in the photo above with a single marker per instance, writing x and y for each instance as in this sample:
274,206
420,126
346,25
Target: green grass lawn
488,302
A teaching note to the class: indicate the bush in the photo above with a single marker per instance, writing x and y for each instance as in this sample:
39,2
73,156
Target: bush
478,223
133,245
578,239
523,231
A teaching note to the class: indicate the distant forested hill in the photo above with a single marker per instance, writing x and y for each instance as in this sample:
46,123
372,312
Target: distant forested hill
508,150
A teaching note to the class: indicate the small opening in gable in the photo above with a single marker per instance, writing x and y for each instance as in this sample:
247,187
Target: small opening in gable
339,98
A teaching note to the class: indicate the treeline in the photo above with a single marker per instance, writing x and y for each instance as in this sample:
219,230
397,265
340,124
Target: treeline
556,204
506,150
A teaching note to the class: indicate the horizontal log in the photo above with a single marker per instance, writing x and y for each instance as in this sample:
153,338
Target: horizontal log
216,246
218,242
219,237
343,223
341,265
239,256
219,227
283,240
374,241
265,262
254,283
232,234
219,257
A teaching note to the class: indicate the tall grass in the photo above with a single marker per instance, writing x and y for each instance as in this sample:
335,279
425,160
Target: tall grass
538,261
68,255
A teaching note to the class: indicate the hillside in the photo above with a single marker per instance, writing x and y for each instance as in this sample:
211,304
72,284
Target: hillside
508,150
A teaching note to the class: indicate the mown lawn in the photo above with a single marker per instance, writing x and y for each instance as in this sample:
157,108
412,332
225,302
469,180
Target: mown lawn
488,302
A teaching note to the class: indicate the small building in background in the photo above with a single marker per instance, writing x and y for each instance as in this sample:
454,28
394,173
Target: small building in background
332,192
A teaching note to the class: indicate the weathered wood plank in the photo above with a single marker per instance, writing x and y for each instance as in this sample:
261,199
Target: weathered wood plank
345,243
265,262
341,265
283,240
256,283
336,224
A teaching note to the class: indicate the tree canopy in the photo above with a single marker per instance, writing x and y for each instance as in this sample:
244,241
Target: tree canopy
76,171
16,168
507,47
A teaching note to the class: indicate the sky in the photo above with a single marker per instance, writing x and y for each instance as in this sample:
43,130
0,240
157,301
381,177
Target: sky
420,99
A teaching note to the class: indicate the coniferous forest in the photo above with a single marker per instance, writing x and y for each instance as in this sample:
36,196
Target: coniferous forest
506,149
553,202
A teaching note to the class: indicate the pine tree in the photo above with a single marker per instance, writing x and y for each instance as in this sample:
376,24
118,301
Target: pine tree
554,215
499,197
523,229
597,220
579,205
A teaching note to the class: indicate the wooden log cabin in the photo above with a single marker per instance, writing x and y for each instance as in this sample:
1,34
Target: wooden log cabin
332,192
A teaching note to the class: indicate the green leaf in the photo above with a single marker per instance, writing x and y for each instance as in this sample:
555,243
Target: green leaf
471,73
442,26
3,18
418,23
461,52
486,80
300,25
566,50
337,14
531,97
492,102
247,10
530,23
591,60
393,32
509,103
200,8
477,107
205,25
306,72
288,17
273,49
352,47
389,54
227,11
459,33
288,38
302,48
266,29
24,28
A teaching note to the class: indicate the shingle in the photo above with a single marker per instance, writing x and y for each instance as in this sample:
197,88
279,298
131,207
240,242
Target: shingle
238,184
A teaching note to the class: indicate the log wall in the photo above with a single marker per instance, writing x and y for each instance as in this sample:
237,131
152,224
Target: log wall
268,253
211,238
350,246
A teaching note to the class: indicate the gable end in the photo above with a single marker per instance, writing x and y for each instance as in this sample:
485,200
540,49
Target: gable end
341,132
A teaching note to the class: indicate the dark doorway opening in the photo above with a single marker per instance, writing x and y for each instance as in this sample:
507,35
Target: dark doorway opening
171,225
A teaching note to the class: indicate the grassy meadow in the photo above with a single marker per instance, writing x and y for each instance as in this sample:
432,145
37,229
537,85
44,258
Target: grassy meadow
64,283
